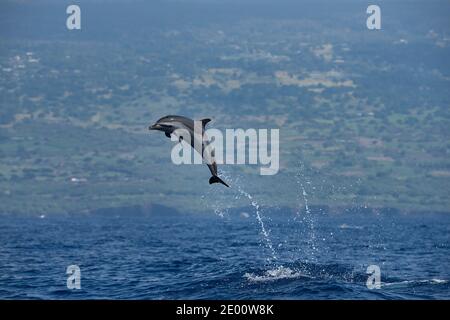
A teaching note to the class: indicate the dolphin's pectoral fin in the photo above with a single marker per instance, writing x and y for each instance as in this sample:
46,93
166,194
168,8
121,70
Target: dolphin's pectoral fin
204,122
167,134
216,179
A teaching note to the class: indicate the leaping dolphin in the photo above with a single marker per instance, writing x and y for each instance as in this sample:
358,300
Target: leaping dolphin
169,124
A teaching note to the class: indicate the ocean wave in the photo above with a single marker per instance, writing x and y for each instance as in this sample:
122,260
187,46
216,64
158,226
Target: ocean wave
405,283
346,226
278,273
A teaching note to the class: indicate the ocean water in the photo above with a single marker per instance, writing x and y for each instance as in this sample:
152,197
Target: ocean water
303,255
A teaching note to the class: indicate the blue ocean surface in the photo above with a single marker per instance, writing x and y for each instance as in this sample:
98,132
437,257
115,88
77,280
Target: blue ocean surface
242,255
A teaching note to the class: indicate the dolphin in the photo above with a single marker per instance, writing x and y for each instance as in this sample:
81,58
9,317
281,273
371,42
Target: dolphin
169,124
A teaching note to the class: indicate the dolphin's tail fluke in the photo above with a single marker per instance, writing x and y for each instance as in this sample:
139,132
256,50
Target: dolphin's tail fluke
216,179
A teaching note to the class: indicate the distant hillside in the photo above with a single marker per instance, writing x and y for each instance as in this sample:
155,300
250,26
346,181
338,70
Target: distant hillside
364,116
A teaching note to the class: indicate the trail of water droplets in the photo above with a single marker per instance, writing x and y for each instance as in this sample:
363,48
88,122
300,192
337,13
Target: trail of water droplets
260,221
307,217
263,230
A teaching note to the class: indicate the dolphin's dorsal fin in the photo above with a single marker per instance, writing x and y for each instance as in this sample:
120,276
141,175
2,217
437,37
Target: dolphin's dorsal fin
204,122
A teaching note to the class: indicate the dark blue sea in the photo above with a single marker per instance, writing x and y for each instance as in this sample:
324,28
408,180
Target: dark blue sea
240,255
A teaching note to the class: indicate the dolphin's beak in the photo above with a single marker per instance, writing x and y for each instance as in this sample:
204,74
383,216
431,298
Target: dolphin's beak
154,127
